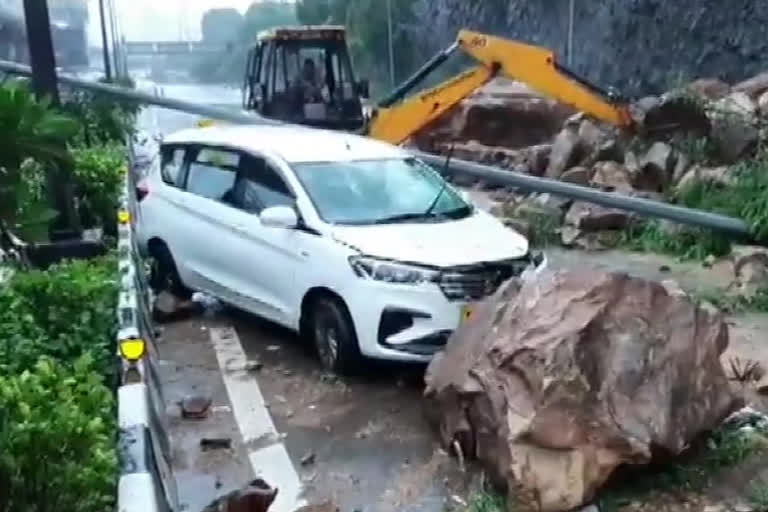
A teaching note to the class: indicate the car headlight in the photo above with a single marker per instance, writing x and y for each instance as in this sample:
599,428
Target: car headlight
390,272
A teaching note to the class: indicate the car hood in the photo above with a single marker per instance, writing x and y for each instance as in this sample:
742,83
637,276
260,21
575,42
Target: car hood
477,238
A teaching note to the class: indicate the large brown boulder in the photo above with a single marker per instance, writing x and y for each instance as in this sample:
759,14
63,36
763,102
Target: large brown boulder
557,381
503,113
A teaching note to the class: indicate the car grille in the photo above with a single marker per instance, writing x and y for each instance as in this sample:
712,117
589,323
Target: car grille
479,281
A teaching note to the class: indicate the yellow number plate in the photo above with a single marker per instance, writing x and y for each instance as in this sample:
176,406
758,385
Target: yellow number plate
466,313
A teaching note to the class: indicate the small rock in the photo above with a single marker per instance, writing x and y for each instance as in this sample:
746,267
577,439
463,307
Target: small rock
656,167
195,407
287,372
576,175
762,104
709,88
289,413
273,348
590,134
593,217
168,306
564,153
754,86
253,366
609,150
709,261
750,269
281,399
611,176
681,167
308,459
664,268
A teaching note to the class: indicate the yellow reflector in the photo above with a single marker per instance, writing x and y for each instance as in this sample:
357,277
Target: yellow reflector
132,349
205,123
123,216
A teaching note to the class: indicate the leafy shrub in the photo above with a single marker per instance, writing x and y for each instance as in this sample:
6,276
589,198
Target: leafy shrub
98,177
103,119
62,313
57,437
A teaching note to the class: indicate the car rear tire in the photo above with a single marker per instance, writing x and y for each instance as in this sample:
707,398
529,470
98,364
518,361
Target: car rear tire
165,275
333,335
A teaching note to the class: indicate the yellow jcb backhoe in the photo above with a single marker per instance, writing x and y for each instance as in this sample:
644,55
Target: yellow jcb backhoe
304,75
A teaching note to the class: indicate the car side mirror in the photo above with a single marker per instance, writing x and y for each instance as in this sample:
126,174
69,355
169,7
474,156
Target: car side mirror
364,88
279,217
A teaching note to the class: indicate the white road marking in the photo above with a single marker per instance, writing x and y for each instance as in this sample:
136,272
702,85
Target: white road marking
270,462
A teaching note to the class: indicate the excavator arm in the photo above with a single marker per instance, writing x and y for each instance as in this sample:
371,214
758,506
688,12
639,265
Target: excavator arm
398,117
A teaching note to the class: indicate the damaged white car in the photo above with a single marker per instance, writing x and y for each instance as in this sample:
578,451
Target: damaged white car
353,242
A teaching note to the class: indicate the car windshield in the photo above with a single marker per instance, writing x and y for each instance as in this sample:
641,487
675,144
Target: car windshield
380,192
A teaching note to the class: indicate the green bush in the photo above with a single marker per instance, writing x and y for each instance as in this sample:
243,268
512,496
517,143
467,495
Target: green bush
98,178
57,439
62,313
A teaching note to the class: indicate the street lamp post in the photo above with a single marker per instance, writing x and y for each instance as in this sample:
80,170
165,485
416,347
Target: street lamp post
41,55
391,49
105,42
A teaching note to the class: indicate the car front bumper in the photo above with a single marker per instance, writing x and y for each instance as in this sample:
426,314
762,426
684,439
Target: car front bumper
408,323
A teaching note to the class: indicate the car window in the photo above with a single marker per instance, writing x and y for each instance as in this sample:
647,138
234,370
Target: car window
260,186
171,166
212,173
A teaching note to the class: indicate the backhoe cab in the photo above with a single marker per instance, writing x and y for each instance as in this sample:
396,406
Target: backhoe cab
304,75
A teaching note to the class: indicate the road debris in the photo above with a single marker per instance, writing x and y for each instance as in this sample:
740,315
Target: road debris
254,366
257,496
273,348
308,459
195,407
208,305
555,371
168,307
219,443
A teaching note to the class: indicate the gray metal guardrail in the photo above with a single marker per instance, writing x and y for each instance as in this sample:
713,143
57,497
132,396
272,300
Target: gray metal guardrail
146,482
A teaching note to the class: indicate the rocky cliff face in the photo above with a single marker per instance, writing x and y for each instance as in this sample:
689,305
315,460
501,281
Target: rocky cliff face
639,46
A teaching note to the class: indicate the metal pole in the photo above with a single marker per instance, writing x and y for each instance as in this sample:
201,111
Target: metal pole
105,42
391,49
728,225
570,32
113,32
41,54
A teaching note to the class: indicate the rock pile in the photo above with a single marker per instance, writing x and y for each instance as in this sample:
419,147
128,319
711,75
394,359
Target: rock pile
683,132
562,378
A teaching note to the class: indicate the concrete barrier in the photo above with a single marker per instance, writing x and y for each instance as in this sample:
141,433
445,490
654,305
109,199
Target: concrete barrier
146,482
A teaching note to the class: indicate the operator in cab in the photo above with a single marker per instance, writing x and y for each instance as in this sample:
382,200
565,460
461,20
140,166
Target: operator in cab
310,86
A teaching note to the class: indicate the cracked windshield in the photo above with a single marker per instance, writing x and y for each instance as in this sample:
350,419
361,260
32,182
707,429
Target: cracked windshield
383,256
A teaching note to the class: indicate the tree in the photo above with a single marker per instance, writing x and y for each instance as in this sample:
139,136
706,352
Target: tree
221,25
259,16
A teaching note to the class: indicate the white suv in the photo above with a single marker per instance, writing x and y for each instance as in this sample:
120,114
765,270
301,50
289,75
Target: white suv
353,242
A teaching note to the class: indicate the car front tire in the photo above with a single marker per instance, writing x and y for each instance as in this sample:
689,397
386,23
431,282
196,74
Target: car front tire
333,334
165,275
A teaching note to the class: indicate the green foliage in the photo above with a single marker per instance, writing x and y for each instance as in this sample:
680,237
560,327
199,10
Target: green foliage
259,16
693,471
101,118
487,501
29,129
221,25
758,496
57,436
98,176
736,303
62,313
